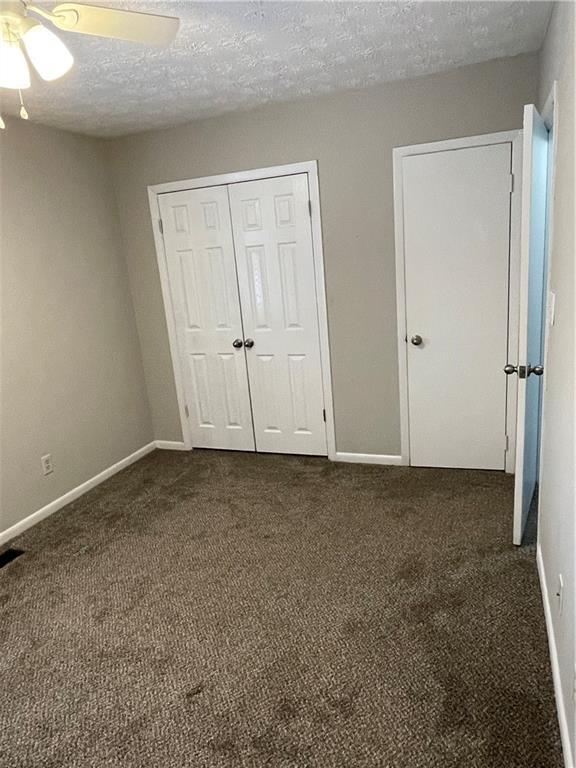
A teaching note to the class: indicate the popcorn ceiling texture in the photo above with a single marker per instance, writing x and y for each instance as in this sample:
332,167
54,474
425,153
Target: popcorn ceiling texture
238,55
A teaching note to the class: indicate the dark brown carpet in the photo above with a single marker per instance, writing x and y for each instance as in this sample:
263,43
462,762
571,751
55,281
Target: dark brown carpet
221,609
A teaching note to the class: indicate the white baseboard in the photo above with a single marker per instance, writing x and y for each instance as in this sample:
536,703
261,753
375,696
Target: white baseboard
562,715
171,445
54,506
367,458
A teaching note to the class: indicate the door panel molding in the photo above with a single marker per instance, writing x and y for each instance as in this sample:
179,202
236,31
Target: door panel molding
283,213
515,139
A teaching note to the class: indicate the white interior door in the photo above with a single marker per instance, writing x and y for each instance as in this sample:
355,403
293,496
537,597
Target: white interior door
204,289
456,207
531,311
273,241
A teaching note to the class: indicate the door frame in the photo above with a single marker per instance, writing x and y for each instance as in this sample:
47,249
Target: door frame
550,116
399,153
310,168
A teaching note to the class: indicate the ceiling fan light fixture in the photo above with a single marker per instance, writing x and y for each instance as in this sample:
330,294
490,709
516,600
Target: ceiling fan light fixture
50,57
14,71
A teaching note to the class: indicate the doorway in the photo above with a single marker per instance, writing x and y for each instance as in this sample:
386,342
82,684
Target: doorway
457,207
240,259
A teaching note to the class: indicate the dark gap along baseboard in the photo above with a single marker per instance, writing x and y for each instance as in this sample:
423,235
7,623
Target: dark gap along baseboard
8,555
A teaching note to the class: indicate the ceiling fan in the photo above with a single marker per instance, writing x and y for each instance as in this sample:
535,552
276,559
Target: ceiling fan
24,37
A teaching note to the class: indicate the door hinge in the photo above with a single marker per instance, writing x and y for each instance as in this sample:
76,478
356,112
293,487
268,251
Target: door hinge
511,183
186,411
506,443
310,207
161,226
324,414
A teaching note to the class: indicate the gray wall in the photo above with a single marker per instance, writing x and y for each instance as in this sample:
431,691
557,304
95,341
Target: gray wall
72,376
352,136
557,506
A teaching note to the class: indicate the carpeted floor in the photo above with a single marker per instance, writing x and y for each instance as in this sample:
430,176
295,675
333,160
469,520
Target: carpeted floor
223,610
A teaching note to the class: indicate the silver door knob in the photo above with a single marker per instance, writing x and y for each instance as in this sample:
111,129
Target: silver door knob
237,343
249,343
416,340
537,370
509,369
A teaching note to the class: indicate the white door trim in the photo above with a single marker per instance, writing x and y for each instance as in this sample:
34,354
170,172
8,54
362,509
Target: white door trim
311,169
515,138
550,106
550,117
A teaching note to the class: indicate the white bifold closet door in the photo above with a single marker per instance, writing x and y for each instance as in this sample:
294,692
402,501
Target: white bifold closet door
242,280
204,289
273,241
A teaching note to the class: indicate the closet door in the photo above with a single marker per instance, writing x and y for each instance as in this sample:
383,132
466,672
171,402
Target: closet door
457,261
204,288
274,257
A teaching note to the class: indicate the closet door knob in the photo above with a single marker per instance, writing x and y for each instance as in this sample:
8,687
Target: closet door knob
237,343
249,343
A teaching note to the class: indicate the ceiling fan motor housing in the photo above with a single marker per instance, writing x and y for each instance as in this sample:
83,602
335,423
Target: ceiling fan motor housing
12,12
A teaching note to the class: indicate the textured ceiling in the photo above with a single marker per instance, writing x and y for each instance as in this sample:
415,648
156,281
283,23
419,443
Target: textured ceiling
230,56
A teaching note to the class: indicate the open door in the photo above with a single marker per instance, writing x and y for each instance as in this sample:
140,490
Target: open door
531,314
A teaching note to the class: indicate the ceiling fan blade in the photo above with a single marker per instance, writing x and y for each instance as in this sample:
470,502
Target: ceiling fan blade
110,22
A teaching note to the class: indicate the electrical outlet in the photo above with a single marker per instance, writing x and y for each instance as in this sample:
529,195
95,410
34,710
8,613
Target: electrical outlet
47,466
560,594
